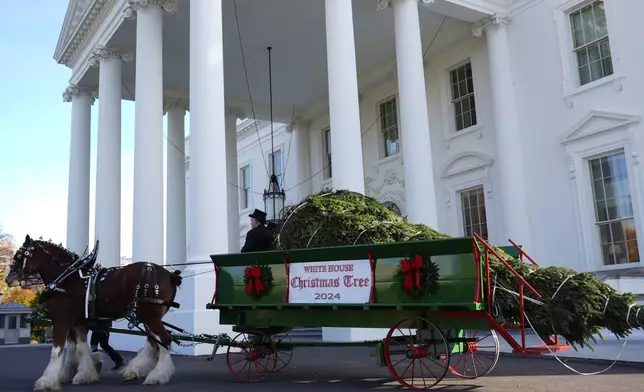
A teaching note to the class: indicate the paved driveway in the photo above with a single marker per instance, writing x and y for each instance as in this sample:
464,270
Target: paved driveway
320,369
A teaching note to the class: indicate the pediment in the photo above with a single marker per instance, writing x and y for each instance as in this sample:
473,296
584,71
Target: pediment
597,122
76,10
465,162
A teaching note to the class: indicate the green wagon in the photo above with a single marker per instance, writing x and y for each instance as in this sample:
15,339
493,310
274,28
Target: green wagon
433,296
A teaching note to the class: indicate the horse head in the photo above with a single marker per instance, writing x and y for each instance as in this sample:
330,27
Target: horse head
38,261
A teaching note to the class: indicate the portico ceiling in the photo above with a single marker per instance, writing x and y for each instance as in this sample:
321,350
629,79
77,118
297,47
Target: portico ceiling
296,31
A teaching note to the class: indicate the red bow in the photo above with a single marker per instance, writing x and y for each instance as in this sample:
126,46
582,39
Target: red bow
412,270
253,274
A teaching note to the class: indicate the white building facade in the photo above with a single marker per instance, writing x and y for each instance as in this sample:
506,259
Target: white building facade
510,118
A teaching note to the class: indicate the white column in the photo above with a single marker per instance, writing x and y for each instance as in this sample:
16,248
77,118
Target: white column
107,215
420,189
175,243
232,179
302,161
79,164
208,206
508,141
147,221
344,109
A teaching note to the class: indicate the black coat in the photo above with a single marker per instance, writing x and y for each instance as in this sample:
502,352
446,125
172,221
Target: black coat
258,239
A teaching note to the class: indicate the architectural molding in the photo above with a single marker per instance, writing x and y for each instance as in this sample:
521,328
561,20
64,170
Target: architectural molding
73,90
246,129
80,21
169,6
103,52
173,102
237,112
465,162
596,122
496,20
383,4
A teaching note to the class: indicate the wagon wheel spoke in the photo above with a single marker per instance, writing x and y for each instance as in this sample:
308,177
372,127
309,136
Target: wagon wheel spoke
251,356
476,356
415,358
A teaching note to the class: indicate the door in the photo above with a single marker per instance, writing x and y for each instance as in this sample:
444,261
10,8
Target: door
12,333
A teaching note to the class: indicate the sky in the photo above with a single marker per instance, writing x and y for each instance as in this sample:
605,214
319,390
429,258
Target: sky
35,128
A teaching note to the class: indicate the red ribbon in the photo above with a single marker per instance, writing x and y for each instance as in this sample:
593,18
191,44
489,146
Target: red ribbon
254,275
411,268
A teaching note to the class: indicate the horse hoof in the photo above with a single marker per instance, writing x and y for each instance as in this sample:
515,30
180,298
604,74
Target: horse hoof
129,377
85,378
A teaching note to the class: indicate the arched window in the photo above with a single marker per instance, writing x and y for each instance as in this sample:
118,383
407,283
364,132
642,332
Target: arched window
392,207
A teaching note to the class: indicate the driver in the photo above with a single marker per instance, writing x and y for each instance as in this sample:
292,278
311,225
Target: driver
259,237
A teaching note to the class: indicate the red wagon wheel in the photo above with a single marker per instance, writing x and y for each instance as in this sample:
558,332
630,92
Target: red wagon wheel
422,351
256,359
477,356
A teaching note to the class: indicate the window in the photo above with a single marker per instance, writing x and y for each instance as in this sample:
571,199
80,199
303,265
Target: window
614,209
23,321
276,164
389,127
244,187
463,96
473,206
328,170
13,322
590,42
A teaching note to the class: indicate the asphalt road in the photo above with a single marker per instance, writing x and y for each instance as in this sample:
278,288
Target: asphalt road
320,369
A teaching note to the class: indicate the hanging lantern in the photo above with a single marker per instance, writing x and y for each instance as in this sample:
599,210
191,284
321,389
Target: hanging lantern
274,199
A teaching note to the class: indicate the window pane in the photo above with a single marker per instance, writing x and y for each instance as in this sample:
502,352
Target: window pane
633,251
601,215
588,24
595,169
617,231
598,190
604,234
607,255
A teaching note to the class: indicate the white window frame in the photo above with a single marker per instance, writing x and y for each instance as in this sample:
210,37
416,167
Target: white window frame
583,142
570,83
451,101
382,152
240,182
325,153
280,178
460,206
449,121
463,172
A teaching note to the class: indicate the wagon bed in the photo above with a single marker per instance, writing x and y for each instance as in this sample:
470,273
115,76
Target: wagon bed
445,323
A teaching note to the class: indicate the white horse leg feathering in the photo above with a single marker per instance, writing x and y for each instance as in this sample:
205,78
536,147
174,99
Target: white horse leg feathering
50,380
87,373
164,368
70,362
141,365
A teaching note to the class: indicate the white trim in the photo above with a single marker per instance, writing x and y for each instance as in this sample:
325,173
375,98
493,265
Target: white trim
585,141
382,158
464,171
247,164
465,187
570,75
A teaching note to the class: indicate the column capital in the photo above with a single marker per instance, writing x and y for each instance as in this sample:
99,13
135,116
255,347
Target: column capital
490,22
237,112
134,6
171,102
102,52
73,90
383,4
298,124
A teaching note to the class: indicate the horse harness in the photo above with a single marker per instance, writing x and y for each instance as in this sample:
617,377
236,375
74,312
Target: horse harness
92,274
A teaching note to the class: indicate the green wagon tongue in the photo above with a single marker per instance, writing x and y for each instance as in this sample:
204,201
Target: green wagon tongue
582,306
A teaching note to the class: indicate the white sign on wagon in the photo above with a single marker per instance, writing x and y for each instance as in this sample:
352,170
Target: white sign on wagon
346,281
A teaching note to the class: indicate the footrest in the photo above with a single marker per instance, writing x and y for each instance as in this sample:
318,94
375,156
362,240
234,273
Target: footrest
542,349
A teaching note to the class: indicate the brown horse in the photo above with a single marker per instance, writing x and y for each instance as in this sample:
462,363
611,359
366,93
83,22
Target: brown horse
78,292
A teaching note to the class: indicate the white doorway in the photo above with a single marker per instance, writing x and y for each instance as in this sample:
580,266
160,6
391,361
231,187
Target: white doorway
12,332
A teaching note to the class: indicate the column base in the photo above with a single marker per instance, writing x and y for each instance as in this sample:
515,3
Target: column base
334,334
193,317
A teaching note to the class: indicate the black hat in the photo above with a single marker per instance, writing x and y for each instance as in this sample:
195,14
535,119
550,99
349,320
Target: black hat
259,215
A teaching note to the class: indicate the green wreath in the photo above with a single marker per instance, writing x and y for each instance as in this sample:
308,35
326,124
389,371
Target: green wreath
258,280
418,275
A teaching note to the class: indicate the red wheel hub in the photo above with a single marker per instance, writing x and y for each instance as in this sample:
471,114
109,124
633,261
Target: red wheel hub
472,346
417,352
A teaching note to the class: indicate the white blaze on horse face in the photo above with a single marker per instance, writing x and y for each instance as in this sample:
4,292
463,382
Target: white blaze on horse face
164,369
70,362
50,380
86,370
141,365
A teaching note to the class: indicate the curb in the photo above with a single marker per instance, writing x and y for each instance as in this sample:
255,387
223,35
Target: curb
595,361
36,345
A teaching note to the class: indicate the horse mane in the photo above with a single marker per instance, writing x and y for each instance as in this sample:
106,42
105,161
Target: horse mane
58,250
